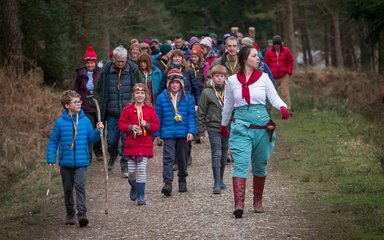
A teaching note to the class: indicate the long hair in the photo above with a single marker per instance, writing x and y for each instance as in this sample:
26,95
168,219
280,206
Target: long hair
185,64
144,57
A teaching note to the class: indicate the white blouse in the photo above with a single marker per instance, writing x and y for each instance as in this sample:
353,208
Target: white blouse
258,91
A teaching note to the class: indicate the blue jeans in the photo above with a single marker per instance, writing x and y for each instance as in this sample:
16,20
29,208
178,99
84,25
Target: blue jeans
219,149
74,177
174,148
113,136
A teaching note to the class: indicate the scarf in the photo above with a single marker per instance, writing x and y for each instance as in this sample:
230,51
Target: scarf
245,84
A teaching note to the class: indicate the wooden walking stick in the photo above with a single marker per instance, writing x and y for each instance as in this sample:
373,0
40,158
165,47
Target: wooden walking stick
49,179
104,157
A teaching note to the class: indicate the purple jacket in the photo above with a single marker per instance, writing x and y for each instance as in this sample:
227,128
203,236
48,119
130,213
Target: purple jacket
80,86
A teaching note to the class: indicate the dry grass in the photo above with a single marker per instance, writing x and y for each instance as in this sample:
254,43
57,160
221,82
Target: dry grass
27,115
359,91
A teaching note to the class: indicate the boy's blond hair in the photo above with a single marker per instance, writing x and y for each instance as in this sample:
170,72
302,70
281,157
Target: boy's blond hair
140,87
67,97
218,69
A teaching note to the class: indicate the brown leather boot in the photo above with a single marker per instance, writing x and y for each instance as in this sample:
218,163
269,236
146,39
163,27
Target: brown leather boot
239,185
258,188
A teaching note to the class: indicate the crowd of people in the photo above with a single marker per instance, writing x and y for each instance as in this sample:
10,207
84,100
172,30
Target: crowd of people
171,94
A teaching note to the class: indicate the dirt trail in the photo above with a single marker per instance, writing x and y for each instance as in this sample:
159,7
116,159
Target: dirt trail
196,214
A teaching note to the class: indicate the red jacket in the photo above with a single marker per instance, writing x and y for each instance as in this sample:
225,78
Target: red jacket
280,64
140,145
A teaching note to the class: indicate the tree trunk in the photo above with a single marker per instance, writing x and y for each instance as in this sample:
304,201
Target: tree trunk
338,50
12,35
326,44
291,32
381,53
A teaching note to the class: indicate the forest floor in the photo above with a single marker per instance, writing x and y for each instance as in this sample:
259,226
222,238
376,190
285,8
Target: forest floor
197,214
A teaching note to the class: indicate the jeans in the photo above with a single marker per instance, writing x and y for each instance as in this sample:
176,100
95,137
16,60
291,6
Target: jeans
175,148
74,177
113,136
219,149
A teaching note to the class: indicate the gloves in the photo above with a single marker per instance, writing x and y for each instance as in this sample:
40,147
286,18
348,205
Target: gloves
224,132
284,113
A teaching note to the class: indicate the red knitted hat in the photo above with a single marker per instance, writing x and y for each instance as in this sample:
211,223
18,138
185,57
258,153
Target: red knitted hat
196,50
175,74
90,55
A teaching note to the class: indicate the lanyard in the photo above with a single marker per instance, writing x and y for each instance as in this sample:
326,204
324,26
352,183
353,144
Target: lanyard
165,65
75,130
140,117
220,96
174,102
118,79
232,68
194,70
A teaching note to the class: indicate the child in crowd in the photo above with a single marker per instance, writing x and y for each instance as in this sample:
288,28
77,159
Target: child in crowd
209,118
138,121
177,117
73,132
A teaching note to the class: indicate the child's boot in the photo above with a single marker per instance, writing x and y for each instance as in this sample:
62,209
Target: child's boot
70,217
82,218
182,184
140,193
111,162
167,189
217,182
133,193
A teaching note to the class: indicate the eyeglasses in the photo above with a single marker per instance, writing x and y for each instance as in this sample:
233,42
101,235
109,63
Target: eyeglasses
77,102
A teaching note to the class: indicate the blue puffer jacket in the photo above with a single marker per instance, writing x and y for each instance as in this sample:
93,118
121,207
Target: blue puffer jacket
169,128
62,136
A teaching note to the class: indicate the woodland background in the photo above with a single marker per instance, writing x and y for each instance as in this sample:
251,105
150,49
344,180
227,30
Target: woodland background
53,34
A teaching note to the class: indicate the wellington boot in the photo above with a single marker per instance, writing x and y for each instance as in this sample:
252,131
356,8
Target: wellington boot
258,189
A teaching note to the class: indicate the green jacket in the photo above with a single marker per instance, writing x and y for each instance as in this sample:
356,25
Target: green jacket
209,111
228,65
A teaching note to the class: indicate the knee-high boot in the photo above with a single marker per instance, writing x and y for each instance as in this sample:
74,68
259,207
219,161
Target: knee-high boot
239,185
258,188
133,192
217,180
222,170
140,193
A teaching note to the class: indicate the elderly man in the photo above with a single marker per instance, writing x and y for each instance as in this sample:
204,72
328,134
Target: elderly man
113,91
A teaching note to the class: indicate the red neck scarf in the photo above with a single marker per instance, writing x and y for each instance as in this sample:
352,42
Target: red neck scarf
252,79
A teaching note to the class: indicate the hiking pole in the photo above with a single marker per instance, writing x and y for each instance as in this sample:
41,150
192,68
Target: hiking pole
49,179
104,156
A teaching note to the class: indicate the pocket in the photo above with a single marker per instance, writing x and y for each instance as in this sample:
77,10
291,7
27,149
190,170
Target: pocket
238,129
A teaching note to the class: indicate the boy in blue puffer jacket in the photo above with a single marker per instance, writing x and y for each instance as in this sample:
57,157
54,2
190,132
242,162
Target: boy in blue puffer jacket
72,133
177,117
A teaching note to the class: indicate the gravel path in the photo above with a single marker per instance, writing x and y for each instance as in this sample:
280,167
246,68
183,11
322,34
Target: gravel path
196,214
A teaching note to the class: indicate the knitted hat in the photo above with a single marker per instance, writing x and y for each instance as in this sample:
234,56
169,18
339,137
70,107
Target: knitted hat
207,42
213,36
175,74
165,48
147,41
196,50
144,45
90,55
135,45
276,40
154,40
193,40
247,41
218,69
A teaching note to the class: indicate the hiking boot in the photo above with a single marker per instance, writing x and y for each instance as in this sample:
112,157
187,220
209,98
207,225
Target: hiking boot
167,189
111,162
124,171
99,158
70,218
182,184
175,167
83,220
